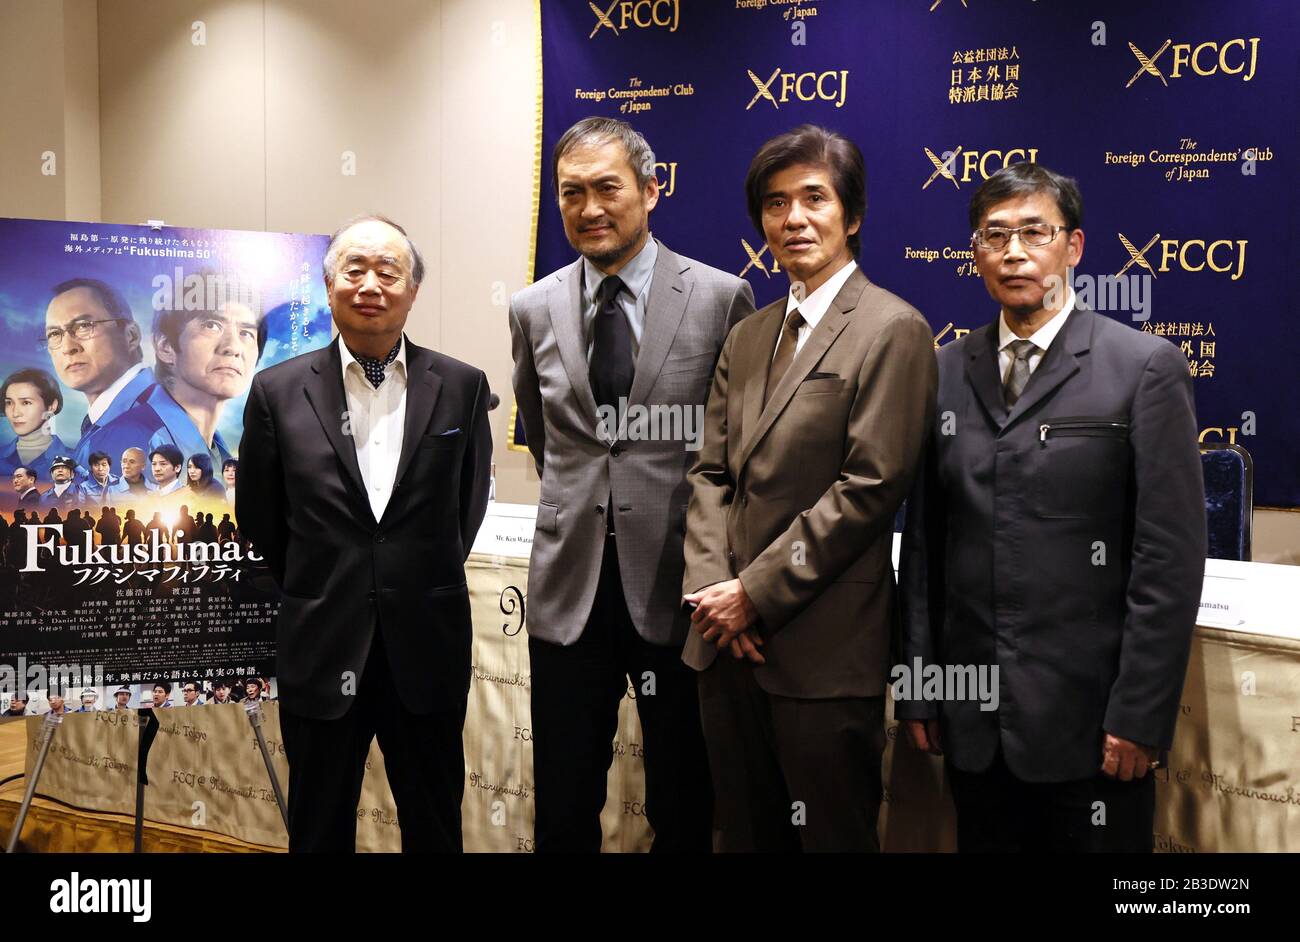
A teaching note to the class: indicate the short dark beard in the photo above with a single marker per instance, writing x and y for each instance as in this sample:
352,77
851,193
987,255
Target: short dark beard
605,259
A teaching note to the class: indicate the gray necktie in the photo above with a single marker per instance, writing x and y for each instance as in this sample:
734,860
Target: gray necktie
1013,384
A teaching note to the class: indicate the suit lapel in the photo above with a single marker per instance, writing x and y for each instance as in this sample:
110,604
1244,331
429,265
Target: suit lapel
422,388
982,372
564,302
664,310
758,359
828,329
1059,363
329,402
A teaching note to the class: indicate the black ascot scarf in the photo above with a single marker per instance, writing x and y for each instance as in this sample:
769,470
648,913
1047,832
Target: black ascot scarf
373,367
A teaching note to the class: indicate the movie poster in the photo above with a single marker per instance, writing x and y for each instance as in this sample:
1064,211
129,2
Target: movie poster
126,355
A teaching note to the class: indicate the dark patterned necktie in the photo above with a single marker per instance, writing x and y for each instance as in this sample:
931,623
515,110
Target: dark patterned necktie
611,355
373,367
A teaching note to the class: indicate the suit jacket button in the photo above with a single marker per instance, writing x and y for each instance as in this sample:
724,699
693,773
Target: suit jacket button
379,539
372,596
744,500
616,450
600,509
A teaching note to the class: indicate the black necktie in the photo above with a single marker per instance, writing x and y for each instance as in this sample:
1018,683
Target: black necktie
611,354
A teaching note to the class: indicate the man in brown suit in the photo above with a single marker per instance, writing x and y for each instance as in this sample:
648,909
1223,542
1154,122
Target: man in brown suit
814,427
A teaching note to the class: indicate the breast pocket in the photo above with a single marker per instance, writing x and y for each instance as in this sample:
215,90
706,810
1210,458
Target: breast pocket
687,386
820,386
444,440
698,362
1083,466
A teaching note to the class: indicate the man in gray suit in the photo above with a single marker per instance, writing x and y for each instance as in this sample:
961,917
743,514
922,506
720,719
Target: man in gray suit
1055,539
613,359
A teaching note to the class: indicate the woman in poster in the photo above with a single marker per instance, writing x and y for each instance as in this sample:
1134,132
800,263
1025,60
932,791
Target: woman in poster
32,399
201,482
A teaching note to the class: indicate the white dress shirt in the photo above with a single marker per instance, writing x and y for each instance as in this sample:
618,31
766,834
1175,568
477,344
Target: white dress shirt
377,418
814,307
105,399
1042,338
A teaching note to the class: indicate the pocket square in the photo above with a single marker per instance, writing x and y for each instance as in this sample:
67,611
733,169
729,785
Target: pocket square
821,376
448,433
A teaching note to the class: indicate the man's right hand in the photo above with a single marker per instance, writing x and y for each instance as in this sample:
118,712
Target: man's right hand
924,735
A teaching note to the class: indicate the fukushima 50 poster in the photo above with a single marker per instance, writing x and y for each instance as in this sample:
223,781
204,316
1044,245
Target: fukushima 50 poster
126,354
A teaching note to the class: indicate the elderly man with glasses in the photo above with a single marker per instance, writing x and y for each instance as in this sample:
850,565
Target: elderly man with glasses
1056,535
363,480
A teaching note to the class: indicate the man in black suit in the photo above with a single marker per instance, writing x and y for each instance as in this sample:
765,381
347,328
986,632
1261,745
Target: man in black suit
24,481
363,480
1056,536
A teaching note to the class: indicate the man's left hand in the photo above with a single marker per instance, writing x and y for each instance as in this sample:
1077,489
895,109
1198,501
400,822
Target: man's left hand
722,611
1124,759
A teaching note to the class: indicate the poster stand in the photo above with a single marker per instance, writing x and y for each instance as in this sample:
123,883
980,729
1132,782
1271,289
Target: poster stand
148,725
253,710
49,726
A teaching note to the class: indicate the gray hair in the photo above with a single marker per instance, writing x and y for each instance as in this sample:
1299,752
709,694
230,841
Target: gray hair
591,131
332,254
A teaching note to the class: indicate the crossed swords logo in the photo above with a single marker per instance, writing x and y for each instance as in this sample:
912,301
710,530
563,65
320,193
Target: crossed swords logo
1148,64
937,2
1137,256
602,18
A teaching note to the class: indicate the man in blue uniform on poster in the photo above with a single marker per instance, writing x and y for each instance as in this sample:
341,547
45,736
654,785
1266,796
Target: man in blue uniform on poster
204,358
65,494
102,481
94,344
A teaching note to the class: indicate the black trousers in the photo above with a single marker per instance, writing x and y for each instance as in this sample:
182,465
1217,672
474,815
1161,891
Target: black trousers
423,756
999,813
790,774
576,691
